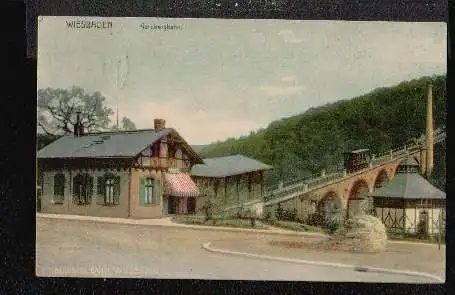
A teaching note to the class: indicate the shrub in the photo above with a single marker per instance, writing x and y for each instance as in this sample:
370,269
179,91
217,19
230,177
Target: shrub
289,215
208,210
238,214
334,220
316,219
253,221
279,212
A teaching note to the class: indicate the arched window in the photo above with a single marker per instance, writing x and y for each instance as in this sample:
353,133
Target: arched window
108,189
59,188
82,189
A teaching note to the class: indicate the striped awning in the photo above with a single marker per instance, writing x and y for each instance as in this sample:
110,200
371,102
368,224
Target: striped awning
180,185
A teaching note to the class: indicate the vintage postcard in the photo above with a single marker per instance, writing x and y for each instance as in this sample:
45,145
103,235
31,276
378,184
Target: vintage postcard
241,149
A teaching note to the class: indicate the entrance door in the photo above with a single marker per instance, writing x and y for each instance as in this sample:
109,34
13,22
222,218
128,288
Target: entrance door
191,205
172,205
165,204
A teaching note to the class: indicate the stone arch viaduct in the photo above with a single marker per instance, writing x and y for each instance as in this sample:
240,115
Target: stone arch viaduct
342,186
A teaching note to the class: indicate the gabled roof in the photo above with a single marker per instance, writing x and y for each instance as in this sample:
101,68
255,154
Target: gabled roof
125,144
227,166
409,186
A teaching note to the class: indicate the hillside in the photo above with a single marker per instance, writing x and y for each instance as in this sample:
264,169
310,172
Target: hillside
380,120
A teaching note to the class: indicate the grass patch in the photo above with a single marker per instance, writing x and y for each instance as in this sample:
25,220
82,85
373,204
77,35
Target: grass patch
225,222
296,226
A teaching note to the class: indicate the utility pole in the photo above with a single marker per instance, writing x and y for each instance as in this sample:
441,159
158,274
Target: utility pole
122,70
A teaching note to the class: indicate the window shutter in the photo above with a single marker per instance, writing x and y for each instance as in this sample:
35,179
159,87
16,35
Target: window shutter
142,192
156,192
76,190
89,188
100,190
117,190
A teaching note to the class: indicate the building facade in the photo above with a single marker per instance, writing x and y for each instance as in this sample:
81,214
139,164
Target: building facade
137,174
229,181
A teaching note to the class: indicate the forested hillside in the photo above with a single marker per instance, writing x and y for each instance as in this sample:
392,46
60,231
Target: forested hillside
380,120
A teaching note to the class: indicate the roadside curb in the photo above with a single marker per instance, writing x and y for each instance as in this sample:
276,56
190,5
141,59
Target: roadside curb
208,247
173,225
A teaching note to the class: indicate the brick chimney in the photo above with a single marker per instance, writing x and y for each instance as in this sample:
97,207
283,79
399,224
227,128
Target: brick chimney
159,124
429,132
78,127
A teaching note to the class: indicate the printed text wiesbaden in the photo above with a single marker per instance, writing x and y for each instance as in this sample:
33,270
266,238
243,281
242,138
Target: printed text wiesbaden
88,24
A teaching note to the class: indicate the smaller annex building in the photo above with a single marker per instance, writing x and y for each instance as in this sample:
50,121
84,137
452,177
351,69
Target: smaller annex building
230,180
409,203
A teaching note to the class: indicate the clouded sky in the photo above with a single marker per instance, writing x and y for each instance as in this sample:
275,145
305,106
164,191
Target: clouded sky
215,78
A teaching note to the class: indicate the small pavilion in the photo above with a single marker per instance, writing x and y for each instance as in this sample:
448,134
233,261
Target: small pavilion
409,203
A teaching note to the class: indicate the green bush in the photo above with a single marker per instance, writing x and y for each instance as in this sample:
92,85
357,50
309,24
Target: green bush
284,214
335,220
207,209
315,219
279,214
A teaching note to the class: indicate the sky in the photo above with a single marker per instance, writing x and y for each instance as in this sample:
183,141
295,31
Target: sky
212,79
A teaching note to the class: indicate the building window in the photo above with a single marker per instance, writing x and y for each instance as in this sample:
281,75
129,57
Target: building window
59,188
108,189
82,189
148,195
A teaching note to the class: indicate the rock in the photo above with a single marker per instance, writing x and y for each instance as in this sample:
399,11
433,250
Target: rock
364,233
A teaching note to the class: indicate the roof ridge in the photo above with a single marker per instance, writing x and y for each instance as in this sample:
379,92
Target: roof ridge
120,131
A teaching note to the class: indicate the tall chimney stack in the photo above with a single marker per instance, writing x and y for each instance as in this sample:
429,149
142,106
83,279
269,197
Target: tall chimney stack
159,124
429,132
78,127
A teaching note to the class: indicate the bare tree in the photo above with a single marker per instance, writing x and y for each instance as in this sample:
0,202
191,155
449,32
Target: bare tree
57,110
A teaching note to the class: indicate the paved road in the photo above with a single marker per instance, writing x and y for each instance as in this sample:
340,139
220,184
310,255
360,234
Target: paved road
89,249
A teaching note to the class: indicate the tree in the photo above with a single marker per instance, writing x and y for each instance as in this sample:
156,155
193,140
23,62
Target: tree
314,140
57,110
127,124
